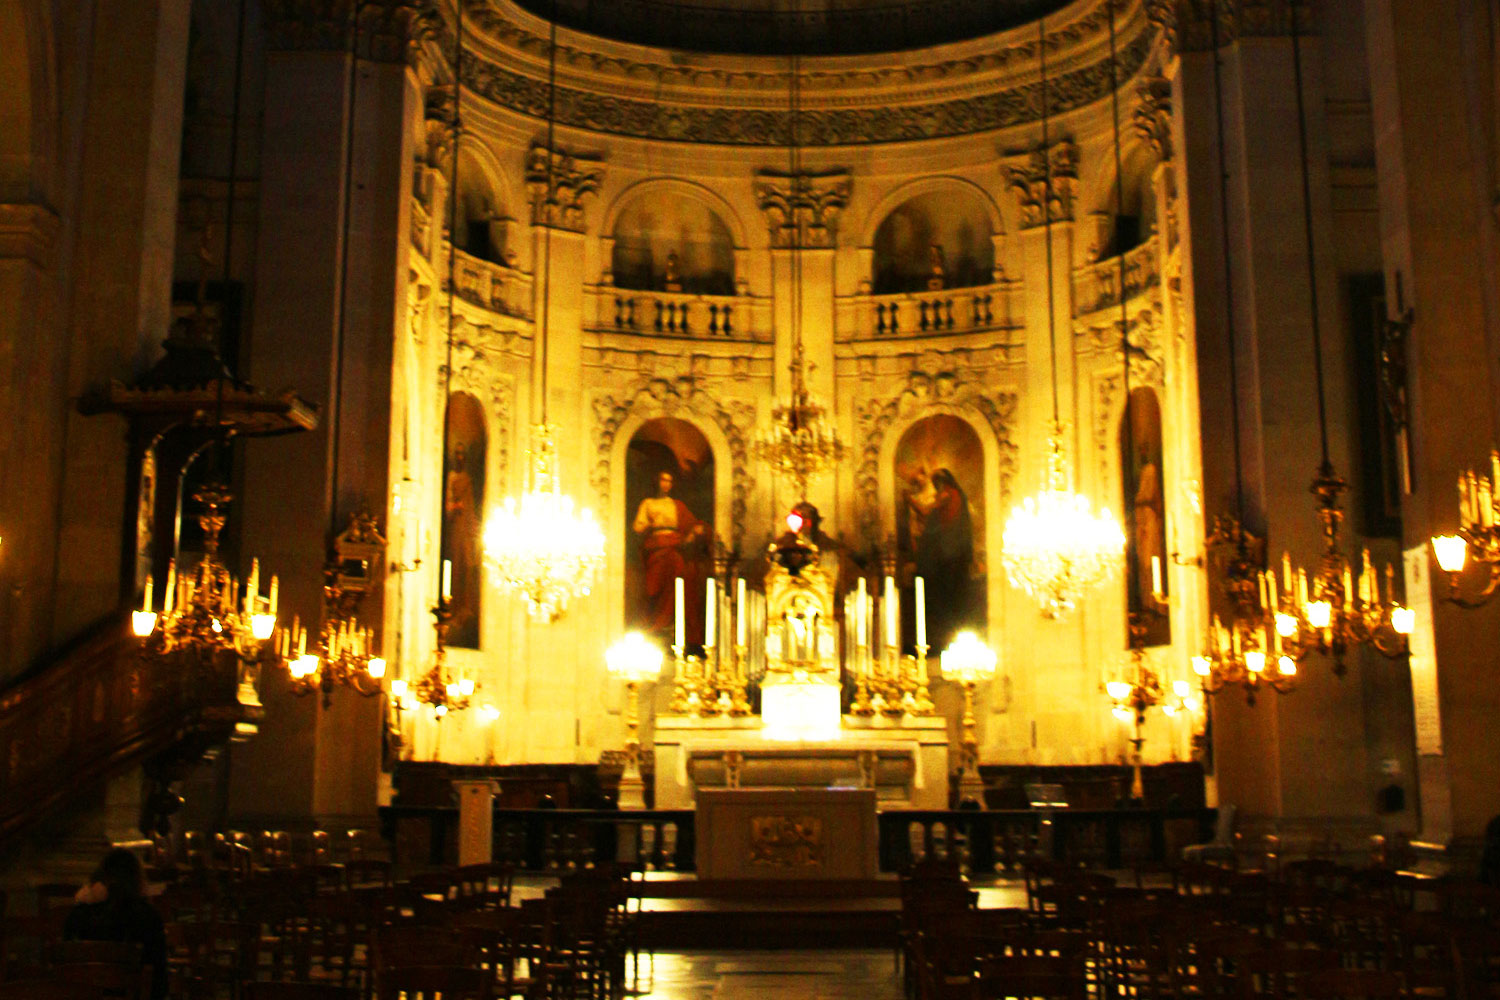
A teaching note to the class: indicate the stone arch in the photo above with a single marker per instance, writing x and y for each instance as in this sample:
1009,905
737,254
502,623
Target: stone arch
949,212
1139,160
707,249
485,208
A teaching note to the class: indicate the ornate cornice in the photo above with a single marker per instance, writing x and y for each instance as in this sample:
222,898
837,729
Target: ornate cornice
390,31
573,178
1188,25
1026,176
1153,114
803,210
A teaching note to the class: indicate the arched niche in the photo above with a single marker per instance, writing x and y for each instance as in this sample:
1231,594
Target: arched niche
938,471
1145,511
670,500
483,226
1132,222
465,466
671,237
935,235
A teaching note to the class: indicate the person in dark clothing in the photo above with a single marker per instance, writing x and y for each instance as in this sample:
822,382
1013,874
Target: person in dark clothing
113,907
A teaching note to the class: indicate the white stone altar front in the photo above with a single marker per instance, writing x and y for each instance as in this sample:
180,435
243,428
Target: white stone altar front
904,762
826,833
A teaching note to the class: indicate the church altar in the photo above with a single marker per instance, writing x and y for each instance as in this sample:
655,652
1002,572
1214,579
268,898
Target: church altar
787,834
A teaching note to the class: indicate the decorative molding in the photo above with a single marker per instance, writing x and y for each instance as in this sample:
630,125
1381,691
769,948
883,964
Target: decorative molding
1026,176
574,179
29,232
1146,371
482,355
390,31
955,389
684,399
1153,114
753,124
1188,25
803,210
394,31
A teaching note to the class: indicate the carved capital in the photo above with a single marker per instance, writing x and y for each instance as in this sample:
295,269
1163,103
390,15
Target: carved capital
393,31
440,126
1188,25
803,210
1026,176
1153,115
572,179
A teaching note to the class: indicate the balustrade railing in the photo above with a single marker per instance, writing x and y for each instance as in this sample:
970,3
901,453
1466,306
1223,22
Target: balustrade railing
994,841
944,311
677,314
1097,286
497,287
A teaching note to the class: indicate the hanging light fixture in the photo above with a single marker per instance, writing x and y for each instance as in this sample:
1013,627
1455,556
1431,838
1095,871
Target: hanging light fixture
1328,611
1478,535
1056,547
542,546
801,442
1238,652
346,654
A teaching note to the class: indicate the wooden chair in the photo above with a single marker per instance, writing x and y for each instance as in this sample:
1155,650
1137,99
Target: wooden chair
403,946
48,988
1031,977
484,886
433,983
1350,984
362,873
116,980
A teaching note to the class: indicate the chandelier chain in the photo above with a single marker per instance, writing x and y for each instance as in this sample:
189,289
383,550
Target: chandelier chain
1047,222
1312,267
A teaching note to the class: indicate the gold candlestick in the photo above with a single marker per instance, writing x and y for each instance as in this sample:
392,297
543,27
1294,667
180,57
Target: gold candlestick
922,697
862,705
682,684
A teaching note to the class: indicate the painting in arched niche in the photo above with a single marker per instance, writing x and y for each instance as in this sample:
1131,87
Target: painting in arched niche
665,242
940,239
463,516
940,528
669,504
1145,515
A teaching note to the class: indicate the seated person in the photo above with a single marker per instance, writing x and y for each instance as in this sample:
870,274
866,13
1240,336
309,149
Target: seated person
113,907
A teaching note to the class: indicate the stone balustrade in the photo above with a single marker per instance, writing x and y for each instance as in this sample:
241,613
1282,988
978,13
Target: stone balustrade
497,287
934,313
676,314
1097,286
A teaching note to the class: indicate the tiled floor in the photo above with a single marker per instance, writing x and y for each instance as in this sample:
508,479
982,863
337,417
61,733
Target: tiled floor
770,975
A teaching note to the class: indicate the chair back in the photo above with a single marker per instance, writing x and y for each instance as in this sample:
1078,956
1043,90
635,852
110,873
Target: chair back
433,983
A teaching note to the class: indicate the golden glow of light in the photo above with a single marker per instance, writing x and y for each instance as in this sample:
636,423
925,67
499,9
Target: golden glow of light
488,713
1286,625
398,688
1118,690
440,711
1181,689
634,659
305,665
1202,666
376,667
466,686
143,623
968,660
1255,661
1452,552
1403,620
262,625
1122,713
1319,614
1287,666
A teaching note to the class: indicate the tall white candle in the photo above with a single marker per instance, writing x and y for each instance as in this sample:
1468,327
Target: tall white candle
1156,576
146,597
447,579
171,597
275,592
679,593
859,615
741,624
710,606
891,615
921,612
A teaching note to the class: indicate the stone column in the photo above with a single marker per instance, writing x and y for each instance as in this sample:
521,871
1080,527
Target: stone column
1297,760
1439,242
310,763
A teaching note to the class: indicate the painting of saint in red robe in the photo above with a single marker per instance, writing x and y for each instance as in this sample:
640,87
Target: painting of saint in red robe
1145,515
669,487
940,528
463,516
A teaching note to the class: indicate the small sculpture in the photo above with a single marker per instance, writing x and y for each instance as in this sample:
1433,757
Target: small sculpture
939,277
671,281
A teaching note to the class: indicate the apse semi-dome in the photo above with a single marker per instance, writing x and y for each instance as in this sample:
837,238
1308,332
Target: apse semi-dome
783,27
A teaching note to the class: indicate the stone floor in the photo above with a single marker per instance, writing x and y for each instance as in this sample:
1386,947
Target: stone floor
770,975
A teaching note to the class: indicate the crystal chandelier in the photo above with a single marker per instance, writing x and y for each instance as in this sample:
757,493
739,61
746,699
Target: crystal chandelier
204,609
1478,535
1056,548
1328,613
541,546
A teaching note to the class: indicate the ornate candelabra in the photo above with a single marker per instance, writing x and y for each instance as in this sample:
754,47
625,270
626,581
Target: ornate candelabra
1138,691
437,687
1237,653
969,662
637,662
1478,536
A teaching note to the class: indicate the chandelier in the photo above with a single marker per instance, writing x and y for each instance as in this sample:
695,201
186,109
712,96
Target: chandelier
1328,613
438,688
1138,690
1056,548
204,609
541,547
1478,534
1249,650
347,653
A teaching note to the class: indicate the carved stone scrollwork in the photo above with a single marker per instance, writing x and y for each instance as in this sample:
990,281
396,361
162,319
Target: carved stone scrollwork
574,179
1188,25
392,31
1026,176
803,210
956,390
481,357
388,31
1146,369
1153,115
685,399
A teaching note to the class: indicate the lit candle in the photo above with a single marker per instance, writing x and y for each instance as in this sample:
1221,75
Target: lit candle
741,624
447,579
678,603
710,602
1486,504
252,587
146,597
302,642
1348,584
1275,597
1265,595
1494,468
1156,577
171,598
275,589
921,612
859,615
891,616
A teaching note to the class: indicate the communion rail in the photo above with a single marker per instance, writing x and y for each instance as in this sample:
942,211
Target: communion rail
992,841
